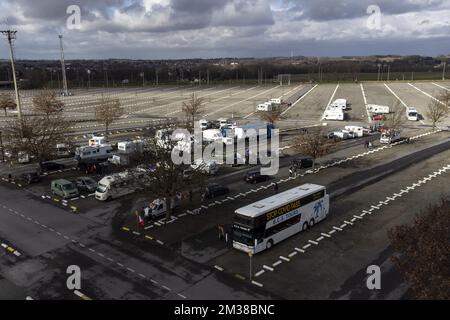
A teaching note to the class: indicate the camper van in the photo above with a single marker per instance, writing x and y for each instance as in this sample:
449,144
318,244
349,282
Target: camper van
131,147
339,104
377,109
265,107
357,132
275,101
337,115
119,184
93,154
412,114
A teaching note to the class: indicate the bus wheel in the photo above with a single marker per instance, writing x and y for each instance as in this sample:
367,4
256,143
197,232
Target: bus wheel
311,222
269,244
305,226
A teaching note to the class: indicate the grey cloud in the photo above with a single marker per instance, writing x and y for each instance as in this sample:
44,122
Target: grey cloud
324,10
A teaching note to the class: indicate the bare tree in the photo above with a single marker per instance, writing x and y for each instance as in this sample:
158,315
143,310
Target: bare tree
192,109
272,116
424,252
47,103
395,120
38,136
438,109
168,179
314,144
7,102
107,111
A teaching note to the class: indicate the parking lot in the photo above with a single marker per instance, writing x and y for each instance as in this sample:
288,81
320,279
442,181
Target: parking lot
193,234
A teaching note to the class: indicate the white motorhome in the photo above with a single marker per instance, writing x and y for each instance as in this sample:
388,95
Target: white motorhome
119,184
93,154
275,101
337,115
412,114
265,107
377,109
388,137
131,147
358,132
339,104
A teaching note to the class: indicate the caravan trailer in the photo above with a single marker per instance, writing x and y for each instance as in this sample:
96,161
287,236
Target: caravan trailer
337,115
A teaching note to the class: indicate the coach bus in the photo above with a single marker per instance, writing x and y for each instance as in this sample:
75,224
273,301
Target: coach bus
261,225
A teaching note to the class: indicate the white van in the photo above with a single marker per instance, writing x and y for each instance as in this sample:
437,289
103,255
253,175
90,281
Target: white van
337,115
119,185
377,109
203,124
159,207
388,138
412,114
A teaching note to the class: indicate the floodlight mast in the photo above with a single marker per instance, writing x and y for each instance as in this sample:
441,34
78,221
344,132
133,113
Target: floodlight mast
63,67
11,36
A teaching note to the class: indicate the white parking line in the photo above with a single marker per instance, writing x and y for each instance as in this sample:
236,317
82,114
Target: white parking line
300,99
329,102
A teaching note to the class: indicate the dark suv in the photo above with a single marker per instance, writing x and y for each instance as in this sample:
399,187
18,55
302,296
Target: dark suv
255,177
303,162
215,190
51,166
31,177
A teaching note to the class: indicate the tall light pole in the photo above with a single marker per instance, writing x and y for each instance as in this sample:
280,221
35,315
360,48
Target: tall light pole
65,90
443,71
89,78
11,36
379,69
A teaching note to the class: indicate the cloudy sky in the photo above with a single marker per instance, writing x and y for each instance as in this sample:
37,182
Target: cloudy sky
152,29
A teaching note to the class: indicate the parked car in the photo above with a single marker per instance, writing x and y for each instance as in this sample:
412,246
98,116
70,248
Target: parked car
255,177
51,166
215,190
86,184
303,162
31,177
64,189
379,117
